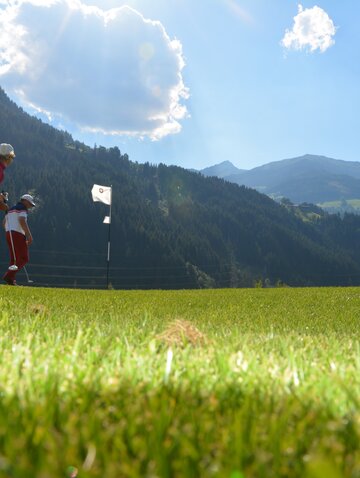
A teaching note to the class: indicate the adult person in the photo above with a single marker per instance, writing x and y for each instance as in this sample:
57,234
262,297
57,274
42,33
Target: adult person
18,236
7,155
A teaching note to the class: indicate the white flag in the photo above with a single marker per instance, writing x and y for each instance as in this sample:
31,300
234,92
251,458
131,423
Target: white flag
101,194
106,220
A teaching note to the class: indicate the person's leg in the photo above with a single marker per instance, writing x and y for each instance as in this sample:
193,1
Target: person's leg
21,250
9,277
16,243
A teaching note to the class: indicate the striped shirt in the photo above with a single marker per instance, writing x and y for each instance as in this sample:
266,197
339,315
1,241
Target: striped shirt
12,222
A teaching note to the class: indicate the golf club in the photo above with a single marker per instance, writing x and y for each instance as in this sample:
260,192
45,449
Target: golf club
29,281
13,267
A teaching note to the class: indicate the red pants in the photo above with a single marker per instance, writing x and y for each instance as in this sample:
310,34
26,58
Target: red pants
21,250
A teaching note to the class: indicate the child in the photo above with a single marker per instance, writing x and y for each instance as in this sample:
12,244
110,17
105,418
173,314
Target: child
18,236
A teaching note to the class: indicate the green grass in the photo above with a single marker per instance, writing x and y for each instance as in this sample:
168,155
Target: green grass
88,388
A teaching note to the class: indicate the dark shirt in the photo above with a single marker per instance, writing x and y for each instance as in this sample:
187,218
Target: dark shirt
18,207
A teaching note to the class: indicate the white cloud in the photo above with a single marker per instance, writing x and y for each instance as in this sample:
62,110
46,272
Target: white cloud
110,71
313,30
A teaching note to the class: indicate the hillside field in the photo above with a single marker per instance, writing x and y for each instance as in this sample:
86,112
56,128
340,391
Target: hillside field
339,205
234,383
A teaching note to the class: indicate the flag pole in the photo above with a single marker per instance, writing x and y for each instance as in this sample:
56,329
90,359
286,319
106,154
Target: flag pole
109,237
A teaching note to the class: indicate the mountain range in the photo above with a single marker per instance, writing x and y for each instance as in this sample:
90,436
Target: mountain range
308,178
171,228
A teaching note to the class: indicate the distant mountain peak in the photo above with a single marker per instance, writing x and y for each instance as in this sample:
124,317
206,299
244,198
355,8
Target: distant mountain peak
226,163
222,170
307,178
312,157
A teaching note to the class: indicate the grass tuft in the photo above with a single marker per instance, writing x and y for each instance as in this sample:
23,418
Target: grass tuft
182,333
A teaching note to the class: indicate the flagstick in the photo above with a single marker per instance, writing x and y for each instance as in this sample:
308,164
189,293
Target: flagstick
108,254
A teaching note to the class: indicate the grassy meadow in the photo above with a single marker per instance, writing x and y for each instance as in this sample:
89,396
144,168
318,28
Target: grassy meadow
355,203
209,383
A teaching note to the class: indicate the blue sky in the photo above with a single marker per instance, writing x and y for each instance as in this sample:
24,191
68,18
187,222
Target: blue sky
190,82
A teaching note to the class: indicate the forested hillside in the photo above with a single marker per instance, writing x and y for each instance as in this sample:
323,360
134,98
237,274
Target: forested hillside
171,228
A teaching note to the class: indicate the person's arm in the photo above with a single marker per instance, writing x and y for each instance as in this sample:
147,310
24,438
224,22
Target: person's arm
4,223
3,205
24,225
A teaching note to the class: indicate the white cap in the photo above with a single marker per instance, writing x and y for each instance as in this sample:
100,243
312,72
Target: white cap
6,150
28,198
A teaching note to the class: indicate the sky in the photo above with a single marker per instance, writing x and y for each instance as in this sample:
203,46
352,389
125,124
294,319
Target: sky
190,82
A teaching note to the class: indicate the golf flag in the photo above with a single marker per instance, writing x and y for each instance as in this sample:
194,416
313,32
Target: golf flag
101,194
104,194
